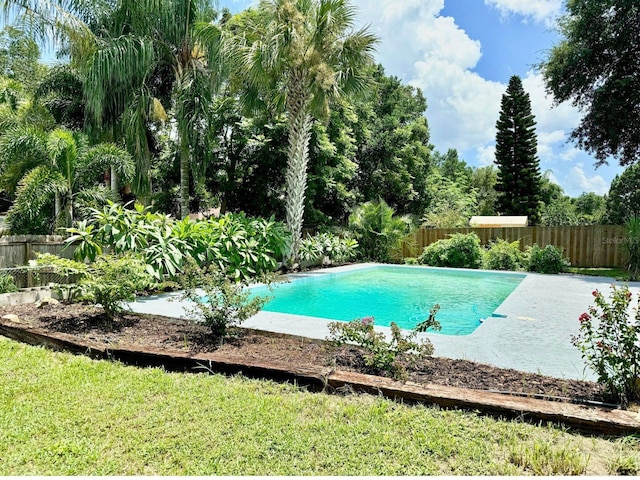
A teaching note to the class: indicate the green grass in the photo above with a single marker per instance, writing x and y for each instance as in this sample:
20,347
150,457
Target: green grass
68,415
615,273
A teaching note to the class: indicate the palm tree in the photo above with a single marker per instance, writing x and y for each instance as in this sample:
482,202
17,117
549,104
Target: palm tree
301,54
154,62
56,165
137,58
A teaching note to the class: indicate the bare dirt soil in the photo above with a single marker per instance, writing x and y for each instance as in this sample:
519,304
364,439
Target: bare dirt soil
168,334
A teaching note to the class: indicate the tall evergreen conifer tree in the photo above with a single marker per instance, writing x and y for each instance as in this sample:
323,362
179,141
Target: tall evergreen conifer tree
518,184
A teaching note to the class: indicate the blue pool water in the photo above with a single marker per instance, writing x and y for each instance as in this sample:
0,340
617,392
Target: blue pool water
400,294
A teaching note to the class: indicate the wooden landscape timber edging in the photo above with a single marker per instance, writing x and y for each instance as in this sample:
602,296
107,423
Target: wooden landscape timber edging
589,246
589,418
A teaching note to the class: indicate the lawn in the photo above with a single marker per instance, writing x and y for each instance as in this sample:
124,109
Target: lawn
62,414
614,273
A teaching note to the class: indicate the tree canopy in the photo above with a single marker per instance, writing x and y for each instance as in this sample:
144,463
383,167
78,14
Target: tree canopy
623,200
518,184
596,66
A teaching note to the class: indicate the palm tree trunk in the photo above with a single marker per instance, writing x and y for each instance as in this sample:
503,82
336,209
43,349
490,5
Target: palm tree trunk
299,132
68,210
114,181
184,175
57,206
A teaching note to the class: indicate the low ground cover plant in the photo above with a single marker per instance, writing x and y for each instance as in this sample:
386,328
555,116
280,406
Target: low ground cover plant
105,418
460,250
390,356
609,342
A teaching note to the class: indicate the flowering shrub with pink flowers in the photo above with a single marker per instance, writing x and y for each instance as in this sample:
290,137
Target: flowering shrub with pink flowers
379,354
610,343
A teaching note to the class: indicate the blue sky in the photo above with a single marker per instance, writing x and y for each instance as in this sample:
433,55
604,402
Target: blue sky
461,53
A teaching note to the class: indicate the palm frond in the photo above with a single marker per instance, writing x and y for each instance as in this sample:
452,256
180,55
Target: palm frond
104,156
114,67
35,190
21,149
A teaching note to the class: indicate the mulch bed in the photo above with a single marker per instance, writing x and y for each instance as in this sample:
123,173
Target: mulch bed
176,335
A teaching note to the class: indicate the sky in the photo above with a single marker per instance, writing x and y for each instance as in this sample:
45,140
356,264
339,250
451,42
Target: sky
461,54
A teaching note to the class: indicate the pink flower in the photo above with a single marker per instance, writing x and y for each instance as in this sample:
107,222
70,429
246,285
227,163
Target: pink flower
585,317
595,293
367,320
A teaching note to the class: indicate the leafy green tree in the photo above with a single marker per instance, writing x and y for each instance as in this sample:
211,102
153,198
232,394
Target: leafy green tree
332,168
453,167
452,204
484,180
393,150
518,182
301,54
623,201
549,190
590,208
595,66
20,57
559,212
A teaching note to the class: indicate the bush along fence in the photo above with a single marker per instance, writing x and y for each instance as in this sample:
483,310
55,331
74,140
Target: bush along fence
592,246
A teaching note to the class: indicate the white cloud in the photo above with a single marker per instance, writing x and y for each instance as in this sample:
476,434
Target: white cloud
539,10
577,181
486,155
433,53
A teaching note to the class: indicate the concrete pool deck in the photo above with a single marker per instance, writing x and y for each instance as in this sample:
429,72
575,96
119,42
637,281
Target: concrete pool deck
533,333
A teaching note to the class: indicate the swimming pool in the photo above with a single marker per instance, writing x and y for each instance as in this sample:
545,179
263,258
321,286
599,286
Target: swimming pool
396,293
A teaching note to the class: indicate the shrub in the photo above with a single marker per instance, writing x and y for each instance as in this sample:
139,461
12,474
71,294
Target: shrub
461,250
328,249
7,285
217,301
380,354
632,238
546,260
502,255
113,279
608,341
241,246
109,281
244,247
71,270
140,231
378,231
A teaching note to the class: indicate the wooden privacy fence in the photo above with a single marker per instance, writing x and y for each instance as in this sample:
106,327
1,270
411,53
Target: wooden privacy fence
17,250
591,246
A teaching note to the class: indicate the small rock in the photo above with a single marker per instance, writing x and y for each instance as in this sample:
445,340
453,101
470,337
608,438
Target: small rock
46,301
12,317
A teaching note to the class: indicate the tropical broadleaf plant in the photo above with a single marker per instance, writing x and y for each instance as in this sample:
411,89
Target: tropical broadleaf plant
378,231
